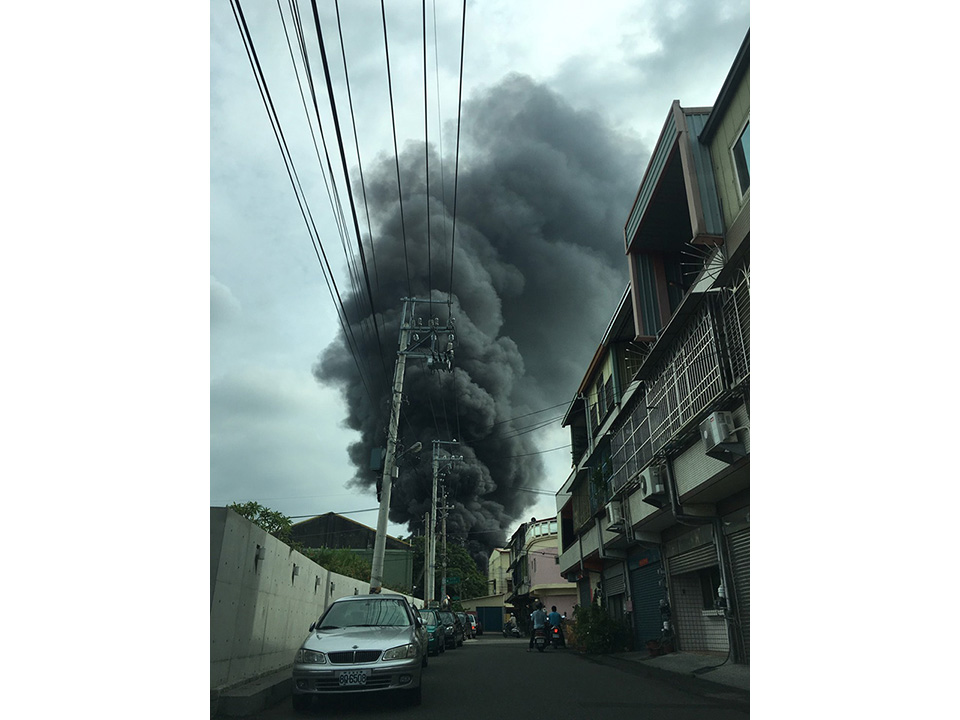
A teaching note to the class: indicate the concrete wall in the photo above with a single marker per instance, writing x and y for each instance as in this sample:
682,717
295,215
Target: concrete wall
260,612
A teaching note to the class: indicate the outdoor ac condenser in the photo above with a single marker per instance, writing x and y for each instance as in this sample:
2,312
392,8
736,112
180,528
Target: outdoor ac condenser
719,434
653,486
614,512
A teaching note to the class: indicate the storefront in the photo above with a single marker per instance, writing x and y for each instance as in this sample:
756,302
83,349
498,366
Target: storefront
737,535
694,576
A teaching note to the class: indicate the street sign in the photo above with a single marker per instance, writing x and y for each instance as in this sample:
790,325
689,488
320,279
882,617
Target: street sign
452,580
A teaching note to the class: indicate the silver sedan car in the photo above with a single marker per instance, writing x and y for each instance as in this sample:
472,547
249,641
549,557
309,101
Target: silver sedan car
362,643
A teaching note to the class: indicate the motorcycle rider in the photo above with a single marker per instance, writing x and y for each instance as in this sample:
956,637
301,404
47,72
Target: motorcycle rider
555,621
539,620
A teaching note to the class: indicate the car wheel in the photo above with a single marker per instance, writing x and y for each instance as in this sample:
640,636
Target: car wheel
301,703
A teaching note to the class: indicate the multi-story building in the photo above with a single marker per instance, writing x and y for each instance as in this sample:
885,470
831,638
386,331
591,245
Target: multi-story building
654,518
534,566
491,609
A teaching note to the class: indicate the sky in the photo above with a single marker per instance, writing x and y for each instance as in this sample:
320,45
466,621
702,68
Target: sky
560,109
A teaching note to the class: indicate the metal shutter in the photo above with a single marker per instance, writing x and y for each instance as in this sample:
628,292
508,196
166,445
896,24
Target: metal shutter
615,585
739,545
703,557
647,594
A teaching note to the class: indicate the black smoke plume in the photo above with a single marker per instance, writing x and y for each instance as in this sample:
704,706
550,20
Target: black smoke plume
543,195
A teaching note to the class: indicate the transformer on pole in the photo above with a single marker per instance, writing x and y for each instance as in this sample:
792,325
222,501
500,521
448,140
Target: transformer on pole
435,343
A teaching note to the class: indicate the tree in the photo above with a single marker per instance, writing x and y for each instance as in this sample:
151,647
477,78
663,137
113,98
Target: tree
472,583
341,561
275,523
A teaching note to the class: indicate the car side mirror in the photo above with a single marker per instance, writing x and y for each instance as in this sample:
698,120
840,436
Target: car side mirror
419,622
313,626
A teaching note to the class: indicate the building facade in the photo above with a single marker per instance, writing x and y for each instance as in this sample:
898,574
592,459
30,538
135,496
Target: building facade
655,516
534,566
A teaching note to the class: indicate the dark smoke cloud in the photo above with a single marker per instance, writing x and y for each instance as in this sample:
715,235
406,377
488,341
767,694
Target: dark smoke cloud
539,266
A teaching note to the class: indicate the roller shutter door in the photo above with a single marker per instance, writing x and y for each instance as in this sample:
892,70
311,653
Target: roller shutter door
647,594
702,557
613,581
739,545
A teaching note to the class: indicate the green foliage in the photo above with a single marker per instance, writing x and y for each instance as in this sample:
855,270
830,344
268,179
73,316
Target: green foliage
275,523
472,583
340,560
596,632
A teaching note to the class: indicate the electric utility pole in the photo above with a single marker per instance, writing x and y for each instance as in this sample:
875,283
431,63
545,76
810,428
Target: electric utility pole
435,343
443,579
432,531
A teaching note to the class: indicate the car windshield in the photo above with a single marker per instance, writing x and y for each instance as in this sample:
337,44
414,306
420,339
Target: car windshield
429,617
365,613
448,617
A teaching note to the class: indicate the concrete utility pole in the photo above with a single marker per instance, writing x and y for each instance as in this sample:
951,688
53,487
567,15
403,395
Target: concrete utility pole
432,536
415,341
443,577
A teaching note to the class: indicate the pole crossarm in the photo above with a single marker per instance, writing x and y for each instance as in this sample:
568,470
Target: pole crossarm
435,342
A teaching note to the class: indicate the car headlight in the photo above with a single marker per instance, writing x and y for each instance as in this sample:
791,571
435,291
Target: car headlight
399,653
310,657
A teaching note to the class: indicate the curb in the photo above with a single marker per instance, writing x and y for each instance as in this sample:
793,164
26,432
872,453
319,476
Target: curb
252,697
685,680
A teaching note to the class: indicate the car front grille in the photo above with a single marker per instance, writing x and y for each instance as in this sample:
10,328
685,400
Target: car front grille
374,682
350,657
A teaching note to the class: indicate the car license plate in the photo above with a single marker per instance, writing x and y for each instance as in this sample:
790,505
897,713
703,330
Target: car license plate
353,677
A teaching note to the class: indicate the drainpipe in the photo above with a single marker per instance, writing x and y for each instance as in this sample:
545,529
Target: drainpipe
696,521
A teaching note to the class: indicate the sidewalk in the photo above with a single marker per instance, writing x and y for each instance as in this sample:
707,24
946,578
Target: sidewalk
707,667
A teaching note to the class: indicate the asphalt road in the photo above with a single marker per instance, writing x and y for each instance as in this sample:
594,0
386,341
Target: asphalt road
495,677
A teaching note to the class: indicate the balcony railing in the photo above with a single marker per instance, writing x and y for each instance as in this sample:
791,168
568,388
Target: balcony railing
707,360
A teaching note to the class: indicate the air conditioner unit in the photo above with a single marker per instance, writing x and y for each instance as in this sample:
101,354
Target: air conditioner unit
614,511
719,434
653,488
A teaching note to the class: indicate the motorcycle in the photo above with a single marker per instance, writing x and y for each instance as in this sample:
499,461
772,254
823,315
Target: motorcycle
540,639
556,637
511,631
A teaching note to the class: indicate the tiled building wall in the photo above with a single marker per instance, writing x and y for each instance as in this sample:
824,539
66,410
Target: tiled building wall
695,631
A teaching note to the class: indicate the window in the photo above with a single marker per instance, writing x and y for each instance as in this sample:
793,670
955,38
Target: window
709,582
741,158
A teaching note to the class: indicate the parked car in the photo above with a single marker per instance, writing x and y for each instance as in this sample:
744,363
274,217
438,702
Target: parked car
468,631
454,634
478,626
362,644
436,634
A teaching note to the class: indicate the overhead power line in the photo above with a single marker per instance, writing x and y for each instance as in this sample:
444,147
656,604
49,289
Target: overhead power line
346,174
287,157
